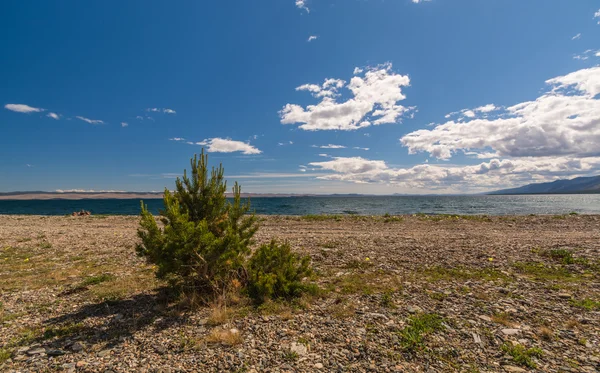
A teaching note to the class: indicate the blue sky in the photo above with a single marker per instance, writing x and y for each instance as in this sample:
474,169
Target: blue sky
107,95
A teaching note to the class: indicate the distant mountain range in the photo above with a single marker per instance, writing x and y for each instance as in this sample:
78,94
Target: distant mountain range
572,186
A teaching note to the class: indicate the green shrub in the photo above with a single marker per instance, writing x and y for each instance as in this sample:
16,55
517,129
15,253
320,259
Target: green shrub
205,240
276,272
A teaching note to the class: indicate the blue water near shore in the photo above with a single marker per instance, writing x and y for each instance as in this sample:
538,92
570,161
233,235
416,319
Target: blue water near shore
395,205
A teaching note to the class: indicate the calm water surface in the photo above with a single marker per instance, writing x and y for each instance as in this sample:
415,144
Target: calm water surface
396,205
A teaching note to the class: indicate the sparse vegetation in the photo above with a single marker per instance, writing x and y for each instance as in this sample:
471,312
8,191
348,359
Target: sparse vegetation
322,217
561,255
412,337
95,280
587,304
465,273
542,272
521,355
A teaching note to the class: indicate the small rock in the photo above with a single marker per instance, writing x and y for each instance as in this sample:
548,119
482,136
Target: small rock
55,352
565,295
510,331
414,309
36,351
511,368
160,349
485,318
298,348
319,366
103,353
77,347
81,364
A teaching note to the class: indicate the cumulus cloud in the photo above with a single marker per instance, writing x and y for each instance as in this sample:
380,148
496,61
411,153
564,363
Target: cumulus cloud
219,145
495,173
301,4
22,108
597,15
562,122
374,101
90,121
53,116
312,37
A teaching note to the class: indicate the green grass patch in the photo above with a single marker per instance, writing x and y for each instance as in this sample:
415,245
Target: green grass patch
542,272
412,337
587,304
95,280
62,330
561,255
465,273
521,355
5,354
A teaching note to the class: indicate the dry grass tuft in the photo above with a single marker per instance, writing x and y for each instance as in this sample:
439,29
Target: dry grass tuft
545,333
229,337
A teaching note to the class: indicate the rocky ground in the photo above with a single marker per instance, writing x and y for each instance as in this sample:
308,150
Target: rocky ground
398,294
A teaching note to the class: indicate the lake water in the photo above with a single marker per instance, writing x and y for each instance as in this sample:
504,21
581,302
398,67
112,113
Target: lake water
394,205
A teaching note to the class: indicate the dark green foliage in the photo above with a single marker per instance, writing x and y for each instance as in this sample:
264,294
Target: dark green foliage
276,272
205,240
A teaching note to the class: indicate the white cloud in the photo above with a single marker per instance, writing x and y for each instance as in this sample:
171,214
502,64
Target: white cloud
301,4
53,116
218,145
124,124
494,174
90,121
161,110
375,101
312,37
29,165
324,155
139,117
578,36
177,139
597,15
564,121
359,148
472,113
357,70
419,1
331,146
22,108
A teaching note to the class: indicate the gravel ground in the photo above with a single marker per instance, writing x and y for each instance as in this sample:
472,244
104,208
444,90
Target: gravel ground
399,294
